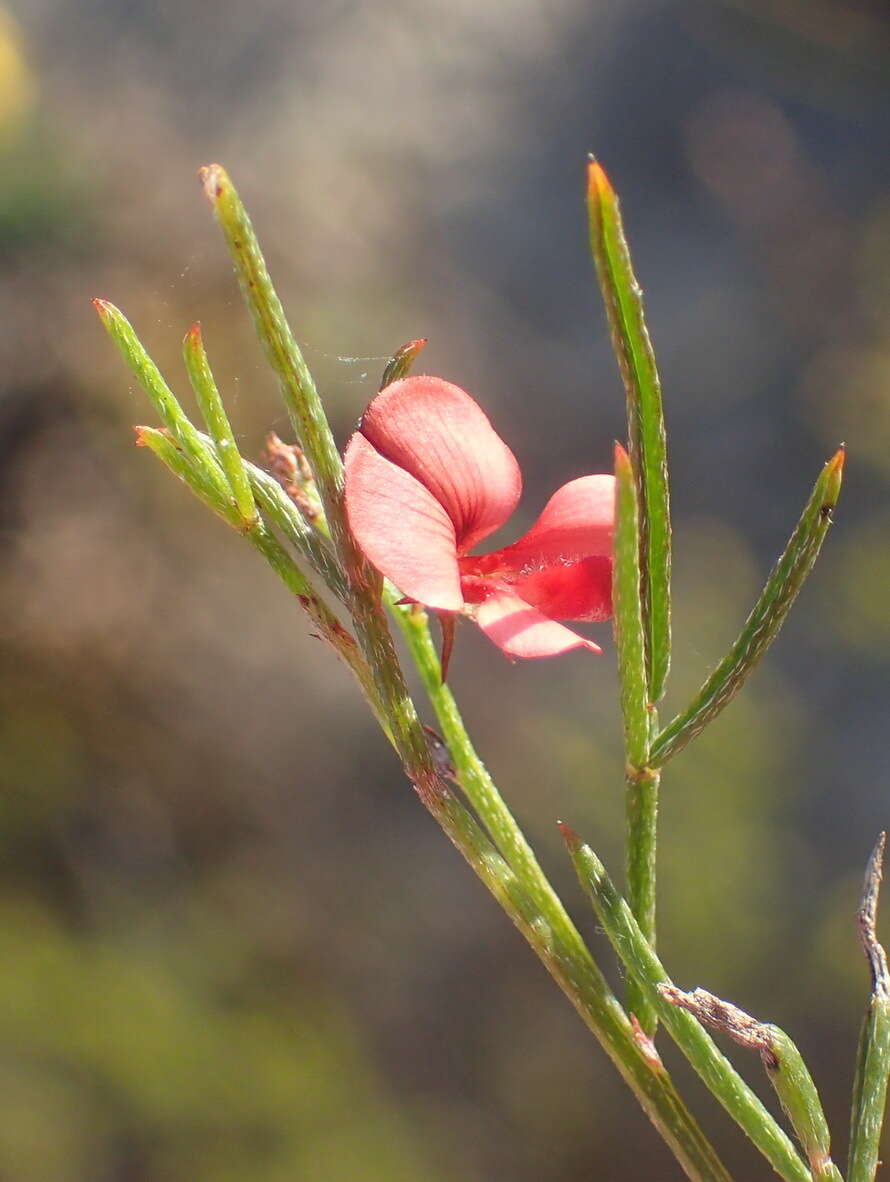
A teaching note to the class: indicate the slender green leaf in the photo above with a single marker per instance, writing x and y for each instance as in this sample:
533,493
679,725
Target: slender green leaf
870,1092
696,1044
399,365
162,397
873,1065
285,516
298,388
641,783
628,615
648,449
763,624
797,1094
214,414
193,473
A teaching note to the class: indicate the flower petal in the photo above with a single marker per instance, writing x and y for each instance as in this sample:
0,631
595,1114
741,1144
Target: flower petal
520,630
577,522
402,528
436,432
580,591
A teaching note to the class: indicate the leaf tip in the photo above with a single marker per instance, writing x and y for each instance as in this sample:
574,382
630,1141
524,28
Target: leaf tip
569,836
105,309
214,180
193,338
833,477
598,184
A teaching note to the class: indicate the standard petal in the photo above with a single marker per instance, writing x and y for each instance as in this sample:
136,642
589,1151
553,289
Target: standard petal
402,528
520,630
436,432
577,522
580,591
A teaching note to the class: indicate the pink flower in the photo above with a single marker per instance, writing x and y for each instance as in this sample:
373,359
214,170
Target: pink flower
427,479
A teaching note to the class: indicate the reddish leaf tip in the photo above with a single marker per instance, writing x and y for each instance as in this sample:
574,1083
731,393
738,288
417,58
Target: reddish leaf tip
103,307
569,836
140,433
193,336
836,463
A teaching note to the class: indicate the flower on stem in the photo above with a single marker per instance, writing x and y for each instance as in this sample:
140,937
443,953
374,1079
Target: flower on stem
428,478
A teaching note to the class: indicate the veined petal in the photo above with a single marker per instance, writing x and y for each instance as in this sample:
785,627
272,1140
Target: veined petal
577,522
579,591
437,433
402,528
520,630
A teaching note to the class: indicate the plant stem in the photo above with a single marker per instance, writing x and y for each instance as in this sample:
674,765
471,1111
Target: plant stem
532,904
553,936
641,782
696,1044
641,817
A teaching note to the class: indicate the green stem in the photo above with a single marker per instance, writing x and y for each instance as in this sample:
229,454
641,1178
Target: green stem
557,941
696,1044
641,782
530,902
569,963
641,817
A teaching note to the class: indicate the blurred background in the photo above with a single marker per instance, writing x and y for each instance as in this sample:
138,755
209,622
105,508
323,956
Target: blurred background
233,947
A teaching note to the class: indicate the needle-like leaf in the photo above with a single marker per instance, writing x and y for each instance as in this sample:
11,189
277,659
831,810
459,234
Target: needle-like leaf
214,414
873,1067
298,388
648,449
174,418
764,622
